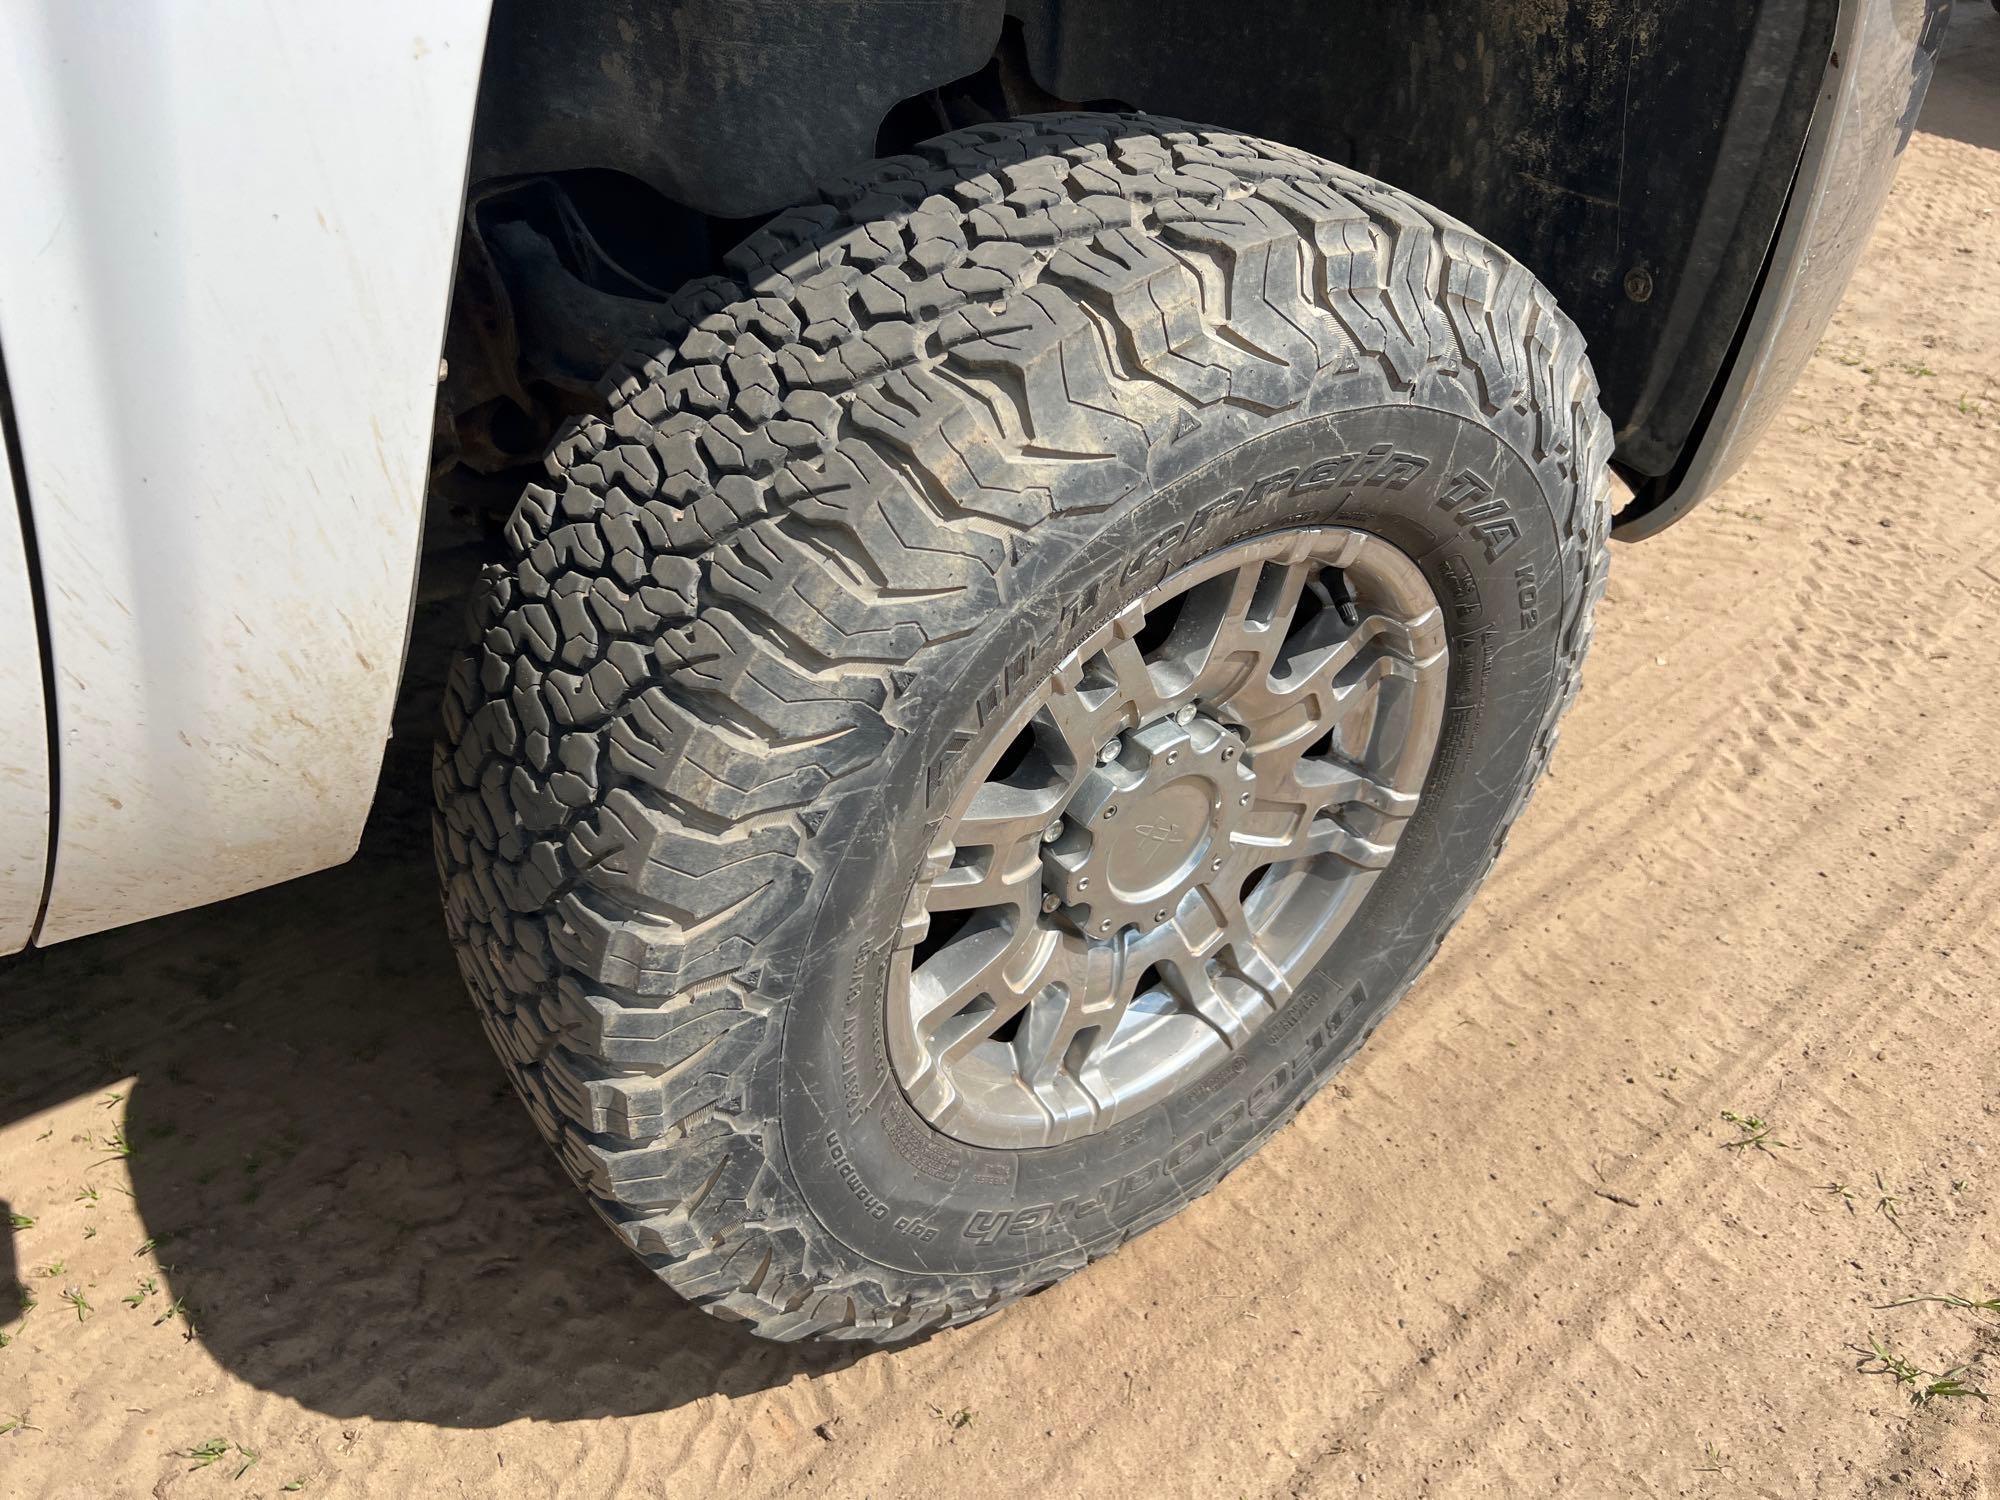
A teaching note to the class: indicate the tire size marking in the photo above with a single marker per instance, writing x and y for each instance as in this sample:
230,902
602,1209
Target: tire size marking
1465,602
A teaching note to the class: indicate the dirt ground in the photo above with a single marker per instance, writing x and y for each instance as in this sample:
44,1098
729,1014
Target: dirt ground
280,1220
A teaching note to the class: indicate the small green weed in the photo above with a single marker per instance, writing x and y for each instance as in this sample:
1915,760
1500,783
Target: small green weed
215,1450
1753,1133
1920,1385
1889,1205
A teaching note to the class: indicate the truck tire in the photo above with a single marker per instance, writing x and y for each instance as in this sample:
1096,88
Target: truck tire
978,730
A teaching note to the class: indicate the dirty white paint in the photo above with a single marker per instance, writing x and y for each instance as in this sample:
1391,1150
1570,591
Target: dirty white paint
24,744
224,264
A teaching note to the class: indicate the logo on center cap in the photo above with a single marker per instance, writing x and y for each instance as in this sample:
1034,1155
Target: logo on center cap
1159,833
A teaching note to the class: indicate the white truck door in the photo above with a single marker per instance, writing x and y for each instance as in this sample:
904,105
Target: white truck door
225,259
24,741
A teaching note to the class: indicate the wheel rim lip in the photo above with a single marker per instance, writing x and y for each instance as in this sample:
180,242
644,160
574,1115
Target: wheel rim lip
1156,1053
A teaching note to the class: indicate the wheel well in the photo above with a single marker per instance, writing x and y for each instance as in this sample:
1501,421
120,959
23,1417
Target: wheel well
1635,157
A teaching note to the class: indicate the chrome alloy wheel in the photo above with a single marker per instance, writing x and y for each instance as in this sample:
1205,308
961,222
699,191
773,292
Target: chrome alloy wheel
1156,847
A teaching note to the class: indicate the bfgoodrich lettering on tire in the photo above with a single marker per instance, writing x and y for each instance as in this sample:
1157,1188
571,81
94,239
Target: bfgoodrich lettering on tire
1073,470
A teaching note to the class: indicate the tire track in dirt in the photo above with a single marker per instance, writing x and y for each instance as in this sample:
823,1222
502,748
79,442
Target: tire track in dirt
1669,1169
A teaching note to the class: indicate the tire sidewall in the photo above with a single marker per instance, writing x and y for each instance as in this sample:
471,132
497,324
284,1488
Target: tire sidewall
1444,486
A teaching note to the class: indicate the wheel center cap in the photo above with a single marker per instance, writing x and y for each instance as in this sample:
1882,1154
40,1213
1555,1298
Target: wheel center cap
1148,825
1166,830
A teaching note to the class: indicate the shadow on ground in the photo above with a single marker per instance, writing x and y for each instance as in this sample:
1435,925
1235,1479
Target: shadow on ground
353,1204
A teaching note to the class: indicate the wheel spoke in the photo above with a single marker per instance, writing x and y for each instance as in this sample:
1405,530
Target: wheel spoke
1042,1044
1131,677
1293,819
1105,688
996,960
1074,719
1006,817
1318,664
1355,681
989,880
1247,956
1329,644
1213,645
1325,836
1232,1011
958,1036
1315,785
1228,640
996,857
1072,985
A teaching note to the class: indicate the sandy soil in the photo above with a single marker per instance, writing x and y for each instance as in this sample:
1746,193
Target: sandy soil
1509,1253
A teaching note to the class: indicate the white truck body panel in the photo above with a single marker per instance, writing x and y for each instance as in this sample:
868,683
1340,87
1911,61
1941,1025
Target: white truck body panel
224,268
24,740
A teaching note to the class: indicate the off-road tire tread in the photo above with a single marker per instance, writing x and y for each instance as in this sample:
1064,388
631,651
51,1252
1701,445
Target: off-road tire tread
715,607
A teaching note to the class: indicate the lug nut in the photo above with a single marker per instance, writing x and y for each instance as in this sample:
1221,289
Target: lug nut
1184,715
1109,751
1053,832
1050,902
